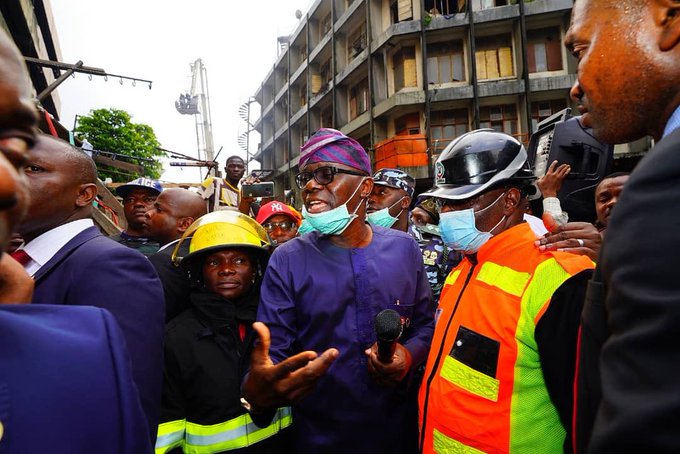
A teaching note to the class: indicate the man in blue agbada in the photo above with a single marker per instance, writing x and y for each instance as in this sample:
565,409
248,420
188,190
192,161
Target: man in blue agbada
317,344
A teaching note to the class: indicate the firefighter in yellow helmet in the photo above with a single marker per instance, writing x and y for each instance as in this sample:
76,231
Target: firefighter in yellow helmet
207,346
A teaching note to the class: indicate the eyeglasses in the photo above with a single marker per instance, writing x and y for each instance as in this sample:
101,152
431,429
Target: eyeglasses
322,175
284,225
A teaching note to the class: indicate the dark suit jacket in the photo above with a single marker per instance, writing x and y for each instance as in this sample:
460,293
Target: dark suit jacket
92,270
639,323
175,280
65,383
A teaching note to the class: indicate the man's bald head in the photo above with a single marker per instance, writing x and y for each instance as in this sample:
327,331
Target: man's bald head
187,202
608,38
80,166
173,212
62,184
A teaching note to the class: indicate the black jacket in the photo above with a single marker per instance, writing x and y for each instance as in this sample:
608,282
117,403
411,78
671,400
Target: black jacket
205,360
629,361
176,285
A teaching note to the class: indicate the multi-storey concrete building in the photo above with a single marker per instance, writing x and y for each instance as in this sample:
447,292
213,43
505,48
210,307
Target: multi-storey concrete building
405,77
31,26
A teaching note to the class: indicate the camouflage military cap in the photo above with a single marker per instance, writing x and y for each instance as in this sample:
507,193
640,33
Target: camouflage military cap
395,178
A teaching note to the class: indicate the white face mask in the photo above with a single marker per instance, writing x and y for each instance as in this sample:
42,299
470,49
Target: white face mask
335,221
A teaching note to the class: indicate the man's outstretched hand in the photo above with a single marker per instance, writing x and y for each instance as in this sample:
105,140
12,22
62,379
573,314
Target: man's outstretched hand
270,385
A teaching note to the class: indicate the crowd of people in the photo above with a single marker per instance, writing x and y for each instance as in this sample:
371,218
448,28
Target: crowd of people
373,320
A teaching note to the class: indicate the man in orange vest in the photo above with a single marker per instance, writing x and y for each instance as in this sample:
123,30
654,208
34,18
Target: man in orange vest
499,373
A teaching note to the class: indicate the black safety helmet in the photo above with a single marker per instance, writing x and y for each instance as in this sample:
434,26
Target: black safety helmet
478,161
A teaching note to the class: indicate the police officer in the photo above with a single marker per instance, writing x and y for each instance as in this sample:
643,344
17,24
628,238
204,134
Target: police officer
138,197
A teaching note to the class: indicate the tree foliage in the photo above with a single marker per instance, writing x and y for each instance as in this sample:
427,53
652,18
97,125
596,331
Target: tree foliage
112,130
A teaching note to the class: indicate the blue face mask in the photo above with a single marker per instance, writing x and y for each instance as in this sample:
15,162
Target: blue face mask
335,221
383,218
459,230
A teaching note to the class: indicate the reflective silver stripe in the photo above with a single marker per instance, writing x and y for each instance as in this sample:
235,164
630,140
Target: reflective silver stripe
168,438
244,431
165,441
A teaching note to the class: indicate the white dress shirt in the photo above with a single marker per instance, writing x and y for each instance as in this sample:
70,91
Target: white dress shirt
43,248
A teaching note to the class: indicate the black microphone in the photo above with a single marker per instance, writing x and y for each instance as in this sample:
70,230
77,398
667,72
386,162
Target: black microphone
388,329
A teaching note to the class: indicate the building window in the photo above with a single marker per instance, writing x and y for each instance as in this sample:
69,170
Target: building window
282,116
365,142
501,118
303,134
446,125
325,26
303,95
327,118
320,81
544,50
400,10
486,4
283,76
358,99
438,7
356,42
445,62
494,57
407,125
281,155
303,52
543,109
404,65
325,71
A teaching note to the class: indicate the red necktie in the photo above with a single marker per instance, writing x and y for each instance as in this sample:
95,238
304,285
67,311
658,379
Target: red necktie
21,256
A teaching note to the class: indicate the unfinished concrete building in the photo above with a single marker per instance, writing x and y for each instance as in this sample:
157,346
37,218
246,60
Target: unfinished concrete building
405,77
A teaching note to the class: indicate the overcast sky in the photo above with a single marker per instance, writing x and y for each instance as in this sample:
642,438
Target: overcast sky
157,40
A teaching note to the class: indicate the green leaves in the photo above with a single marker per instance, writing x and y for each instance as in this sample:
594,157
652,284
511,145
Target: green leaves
112,130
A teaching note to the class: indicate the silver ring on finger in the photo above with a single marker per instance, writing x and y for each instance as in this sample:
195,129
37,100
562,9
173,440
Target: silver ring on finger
581,243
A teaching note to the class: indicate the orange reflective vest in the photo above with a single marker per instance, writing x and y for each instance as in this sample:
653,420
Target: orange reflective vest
483,389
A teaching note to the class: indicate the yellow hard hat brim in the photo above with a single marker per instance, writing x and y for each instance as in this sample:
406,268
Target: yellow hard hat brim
221,229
